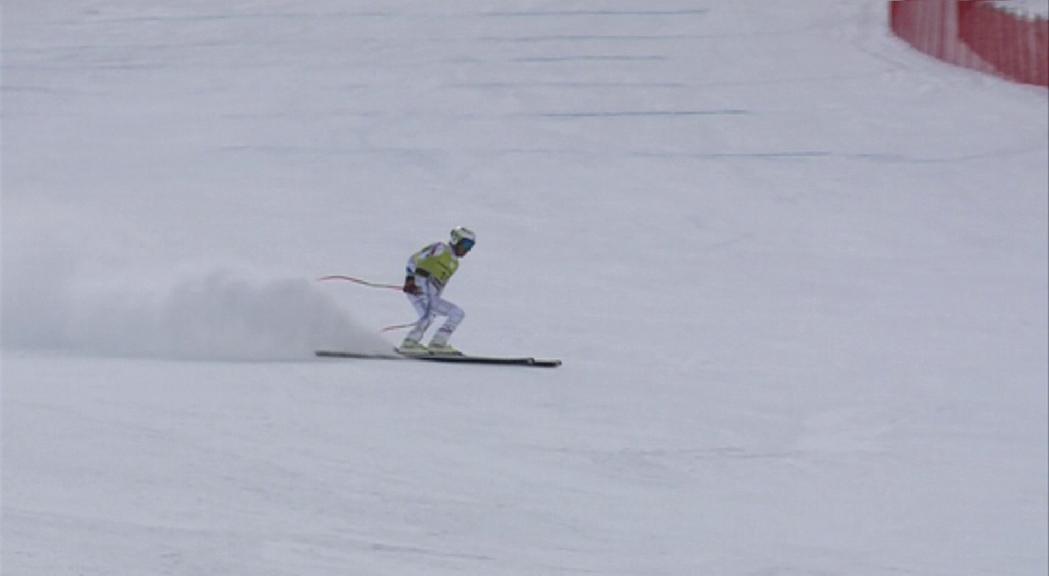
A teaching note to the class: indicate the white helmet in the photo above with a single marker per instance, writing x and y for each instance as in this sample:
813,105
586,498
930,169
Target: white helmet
460,233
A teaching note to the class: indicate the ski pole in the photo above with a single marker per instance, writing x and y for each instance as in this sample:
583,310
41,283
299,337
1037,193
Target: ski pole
359,281
399,326
372,285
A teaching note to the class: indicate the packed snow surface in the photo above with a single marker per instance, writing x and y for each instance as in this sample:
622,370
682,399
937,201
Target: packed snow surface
796,271
1029,8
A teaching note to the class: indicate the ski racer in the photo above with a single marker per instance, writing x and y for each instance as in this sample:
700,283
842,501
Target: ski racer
427,273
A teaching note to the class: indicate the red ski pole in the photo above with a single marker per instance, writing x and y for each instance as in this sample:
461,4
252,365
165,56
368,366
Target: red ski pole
372,285
399,326
359,281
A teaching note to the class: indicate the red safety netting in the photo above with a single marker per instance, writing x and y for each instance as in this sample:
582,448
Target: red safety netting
977,35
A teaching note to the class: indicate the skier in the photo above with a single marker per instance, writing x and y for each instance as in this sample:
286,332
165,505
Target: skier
427,273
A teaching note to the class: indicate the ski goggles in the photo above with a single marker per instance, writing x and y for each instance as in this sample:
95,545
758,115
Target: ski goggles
465,244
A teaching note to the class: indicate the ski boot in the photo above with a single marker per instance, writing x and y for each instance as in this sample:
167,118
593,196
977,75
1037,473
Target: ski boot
443,349
411,347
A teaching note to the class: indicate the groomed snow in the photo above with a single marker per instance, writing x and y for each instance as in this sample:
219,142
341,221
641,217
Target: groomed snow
1030,8
796,271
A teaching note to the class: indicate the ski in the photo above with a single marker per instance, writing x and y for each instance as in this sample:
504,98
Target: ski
447,358
466,359
358,355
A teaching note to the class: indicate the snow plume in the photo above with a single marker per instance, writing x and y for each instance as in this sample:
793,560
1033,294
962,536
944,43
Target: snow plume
215,316
34,294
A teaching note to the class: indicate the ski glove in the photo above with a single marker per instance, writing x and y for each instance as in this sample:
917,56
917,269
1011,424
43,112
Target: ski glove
410,287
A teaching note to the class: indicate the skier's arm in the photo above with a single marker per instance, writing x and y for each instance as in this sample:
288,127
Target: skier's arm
410,287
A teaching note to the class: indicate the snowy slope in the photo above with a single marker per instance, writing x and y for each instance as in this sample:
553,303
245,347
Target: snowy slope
797,273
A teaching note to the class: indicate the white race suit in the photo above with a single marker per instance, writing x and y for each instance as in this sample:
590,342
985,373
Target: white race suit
432,267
